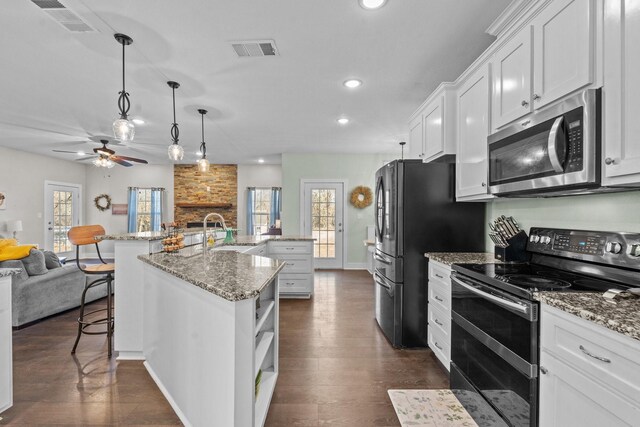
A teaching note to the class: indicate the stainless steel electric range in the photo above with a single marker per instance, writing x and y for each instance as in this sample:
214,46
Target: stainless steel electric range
495,331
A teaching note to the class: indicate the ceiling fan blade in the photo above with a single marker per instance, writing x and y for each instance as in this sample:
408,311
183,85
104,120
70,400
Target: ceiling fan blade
65,151
131,159
85,158
119,161
104,150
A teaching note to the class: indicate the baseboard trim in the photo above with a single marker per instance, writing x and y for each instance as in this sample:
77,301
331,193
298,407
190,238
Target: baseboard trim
355,266
167,395
130,355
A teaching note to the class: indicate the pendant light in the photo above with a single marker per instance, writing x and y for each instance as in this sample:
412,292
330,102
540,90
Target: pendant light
203,163
123,128
175,151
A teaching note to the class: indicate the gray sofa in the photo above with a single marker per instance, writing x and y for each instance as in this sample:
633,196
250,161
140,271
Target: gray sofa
37,297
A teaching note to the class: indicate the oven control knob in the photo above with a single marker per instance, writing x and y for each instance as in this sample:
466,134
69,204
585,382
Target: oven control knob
635,250
545,239
613,247
535,238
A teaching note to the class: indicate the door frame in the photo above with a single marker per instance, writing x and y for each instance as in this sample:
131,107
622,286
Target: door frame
47,183
344,182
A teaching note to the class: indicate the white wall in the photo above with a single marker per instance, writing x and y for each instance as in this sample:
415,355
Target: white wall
22,177
116,182
254,176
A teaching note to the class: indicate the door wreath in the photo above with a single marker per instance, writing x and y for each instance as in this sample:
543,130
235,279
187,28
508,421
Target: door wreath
361,197
102,202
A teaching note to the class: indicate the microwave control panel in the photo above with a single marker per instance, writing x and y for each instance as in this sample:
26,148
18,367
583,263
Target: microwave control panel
574,140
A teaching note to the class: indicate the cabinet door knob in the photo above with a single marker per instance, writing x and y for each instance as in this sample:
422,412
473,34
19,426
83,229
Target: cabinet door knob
543,370
536,97
609,161
484,184
524,103
526,122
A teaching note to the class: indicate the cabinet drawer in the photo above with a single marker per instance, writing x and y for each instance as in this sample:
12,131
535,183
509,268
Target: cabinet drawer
296,283
580,343
296,263
440,346
260,250
440,296
440,320
439,272
289,248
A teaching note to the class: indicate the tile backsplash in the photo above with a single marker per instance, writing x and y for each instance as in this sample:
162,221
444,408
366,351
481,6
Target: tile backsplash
605,212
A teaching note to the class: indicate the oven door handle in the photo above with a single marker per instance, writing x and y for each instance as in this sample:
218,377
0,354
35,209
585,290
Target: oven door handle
555,159
499,301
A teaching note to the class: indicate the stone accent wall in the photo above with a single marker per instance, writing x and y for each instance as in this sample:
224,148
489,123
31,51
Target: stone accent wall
219,185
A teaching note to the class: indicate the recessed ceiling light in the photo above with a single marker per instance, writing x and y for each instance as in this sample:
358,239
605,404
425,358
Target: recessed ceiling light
260,160
343,121
372,4
352,83
80,153
138,121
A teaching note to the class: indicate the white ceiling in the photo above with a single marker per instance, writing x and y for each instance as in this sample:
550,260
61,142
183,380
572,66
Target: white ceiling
59,88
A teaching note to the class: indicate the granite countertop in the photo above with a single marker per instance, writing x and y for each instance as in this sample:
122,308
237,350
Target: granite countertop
148,235
6,272
258,240
369,242
622,317
227,274
449,258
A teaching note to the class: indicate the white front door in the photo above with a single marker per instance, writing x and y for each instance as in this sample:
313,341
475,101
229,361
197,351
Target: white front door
323,218
62,211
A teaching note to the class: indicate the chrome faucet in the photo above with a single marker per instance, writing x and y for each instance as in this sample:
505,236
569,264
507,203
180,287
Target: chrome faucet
204,226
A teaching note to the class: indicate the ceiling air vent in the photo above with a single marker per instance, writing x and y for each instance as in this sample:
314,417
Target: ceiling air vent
63,16
246,49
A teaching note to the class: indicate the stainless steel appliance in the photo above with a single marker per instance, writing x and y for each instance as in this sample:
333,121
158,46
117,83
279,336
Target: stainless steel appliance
416,213
555,151
495,331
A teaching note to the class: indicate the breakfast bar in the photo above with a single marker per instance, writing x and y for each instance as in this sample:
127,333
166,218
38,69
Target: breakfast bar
210,333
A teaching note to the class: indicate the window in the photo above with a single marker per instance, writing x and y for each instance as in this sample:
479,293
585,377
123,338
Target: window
145,209
261,210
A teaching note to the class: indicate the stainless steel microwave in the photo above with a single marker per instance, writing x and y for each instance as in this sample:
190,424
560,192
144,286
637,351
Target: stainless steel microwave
555,151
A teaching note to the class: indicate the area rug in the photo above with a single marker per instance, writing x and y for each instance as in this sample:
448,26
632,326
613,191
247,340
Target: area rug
429,408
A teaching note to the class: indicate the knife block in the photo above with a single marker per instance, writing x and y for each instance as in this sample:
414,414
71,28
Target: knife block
516,251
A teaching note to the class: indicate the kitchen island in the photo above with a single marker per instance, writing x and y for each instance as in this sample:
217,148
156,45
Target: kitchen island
210,333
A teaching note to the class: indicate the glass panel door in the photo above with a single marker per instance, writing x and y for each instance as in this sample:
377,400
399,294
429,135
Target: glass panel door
323,216
62,211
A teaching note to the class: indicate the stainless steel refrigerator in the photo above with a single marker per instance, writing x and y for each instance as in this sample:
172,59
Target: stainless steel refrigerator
416,212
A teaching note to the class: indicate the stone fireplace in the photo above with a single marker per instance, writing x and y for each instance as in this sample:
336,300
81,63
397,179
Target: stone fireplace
197,193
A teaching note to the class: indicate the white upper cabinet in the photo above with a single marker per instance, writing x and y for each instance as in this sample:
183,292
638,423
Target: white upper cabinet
432,127
547,59
416,148
621,93
563,49
473,129
511,68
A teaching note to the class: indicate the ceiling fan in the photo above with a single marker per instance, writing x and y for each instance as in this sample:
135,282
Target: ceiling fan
106,155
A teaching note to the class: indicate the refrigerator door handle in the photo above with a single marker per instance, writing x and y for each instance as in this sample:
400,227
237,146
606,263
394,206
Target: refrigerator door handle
381,259
381,281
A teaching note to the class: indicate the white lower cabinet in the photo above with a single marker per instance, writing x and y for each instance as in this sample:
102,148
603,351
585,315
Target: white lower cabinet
297,277
439,312
6,355
589,375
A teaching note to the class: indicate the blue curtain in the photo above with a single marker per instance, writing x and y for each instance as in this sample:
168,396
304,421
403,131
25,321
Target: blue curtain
133,210
156,209
251,195
276,205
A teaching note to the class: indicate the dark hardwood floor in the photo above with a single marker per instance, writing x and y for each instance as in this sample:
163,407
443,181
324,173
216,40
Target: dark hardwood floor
335,369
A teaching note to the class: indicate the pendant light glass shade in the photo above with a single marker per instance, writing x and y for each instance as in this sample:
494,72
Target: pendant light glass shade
203,165
176,152
123,130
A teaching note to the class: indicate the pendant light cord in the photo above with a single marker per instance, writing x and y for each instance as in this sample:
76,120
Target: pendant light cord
123,88
203,145
175,132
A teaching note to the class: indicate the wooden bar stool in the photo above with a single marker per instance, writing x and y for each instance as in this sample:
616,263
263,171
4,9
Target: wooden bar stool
81,236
